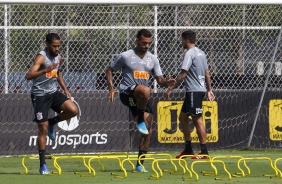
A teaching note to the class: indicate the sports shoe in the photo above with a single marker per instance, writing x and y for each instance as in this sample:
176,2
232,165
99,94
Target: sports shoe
140,169
200,156
44,170
184,153
142,128
51,132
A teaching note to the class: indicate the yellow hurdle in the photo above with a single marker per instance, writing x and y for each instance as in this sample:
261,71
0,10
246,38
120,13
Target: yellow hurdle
275,165
32,157
163,156
156,176
207,161
237,174
205,173
115,156
155,165
184,168
257,158
82,157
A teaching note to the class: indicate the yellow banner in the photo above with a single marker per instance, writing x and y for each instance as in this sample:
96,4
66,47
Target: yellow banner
275,120
169,130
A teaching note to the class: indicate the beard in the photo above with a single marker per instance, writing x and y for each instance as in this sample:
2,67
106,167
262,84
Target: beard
144,50
54,54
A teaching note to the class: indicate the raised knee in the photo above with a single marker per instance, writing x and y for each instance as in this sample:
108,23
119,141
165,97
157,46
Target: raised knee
143,92
74,111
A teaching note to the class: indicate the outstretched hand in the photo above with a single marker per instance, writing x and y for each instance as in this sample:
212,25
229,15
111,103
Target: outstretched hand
170,81
211,96
111,95
167,94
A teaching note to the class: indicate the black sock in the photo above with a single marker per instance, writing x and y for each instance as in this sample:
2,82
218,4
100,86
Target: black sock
204,149
141,152
41,157
188,147
140,115
53,121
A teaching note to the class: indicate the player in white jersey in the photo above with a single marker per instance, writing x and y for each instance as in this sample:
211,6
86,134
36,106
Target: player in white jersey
196,76
45,73
137,65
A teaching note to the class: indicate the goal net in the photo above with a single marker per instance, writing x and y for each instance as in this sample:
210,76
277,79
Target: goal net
244,53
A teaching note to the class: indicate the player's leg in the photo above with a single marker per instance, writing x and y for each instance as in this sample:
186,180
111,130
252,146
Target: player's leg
65,108
201,132
141,94
128,99
68,110
41,107
196,113
41,141
145,140
184,122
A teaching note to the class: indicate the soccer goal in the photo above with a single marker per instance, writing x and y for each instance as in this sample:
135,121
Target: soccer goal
242,41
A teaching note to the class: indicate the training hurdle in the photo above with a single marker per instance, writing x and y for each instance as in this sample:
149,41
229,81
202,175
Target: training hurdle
156,176
171,160
237,174
275,165
32,157
257,158
87,164
82,157
155,163
211,162
205,173
115,156
184,168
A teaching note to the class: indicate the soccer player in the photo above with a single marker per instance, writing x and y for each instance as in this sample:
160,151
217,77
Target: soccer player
45,73
137,64
196,76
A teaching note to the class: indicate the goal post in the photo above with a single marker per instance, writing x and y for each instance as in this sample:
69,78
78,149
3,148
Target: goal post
244,52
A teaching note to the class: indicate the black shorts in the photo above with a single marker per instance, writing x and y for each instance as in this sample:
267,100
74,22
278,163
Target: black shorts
193,105
42,105
127,98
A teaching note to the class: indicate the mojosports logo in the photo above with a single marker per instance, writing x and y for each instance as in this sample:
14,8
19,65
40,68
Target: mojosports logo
71,124
73,140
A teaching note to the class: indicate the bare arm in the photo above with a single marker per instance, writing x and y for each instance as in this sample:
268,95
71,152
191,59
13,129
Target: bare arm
109,76
165,82
34,71
211,96
179,79
208,80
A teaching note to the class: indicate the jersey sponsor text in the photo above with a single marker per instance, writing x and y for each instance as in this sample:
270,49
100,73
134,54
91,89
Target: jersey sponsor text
51,74
141,75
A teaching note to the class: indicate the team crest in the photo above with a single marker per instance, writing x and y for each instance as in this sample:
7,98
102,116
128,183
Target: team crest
39,116
150,62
